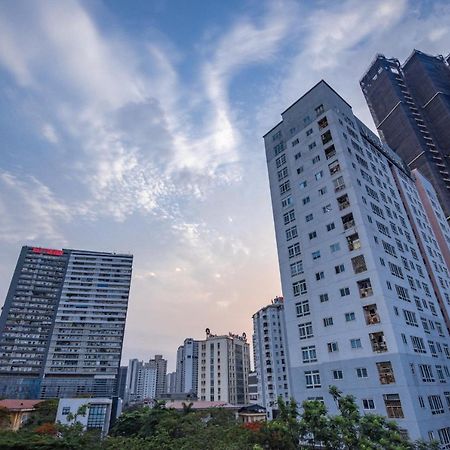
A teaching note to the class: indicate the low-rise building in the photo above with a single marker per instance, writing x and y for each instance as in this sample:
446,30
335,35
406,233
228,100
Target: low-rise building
17,413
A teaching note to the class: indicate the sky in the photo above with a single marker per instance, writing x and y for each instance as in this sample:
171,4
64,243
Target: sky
136,126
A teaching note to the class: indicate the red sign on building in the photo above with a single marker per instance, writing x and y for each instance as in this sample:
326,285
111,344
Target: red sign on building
47,251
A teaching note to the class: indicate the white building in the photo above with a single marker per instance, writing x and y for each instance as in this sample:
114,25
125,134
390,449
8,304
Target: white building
96,416
360,307
187,367
269,347
224,365
145,380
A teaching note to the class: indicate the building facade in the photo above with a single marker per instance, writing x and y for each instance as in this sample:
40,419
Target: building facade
361,312
187,366
171,385
410,105
270,355
224,365
62,325
146,380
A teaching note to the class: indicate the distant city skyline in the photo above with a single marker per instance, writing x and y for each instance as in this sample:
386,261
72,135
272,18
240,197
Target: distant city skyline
136,127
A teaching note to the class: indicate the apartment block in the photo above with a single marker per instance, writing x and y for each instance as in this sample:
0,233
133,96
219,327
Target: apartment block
146,380
224,365
360,306
187,367
62,325
270,355
410,104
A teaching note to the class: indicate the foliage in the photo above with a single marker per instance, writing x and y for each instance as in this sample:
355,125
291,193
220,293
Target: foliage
160,428
44,412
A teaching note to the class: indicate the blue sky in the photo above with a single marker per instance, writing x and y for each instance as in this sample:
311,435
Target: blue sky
136,126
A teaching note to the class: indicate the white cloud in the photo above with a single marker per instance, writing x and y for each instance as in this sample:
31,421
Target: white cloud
49,133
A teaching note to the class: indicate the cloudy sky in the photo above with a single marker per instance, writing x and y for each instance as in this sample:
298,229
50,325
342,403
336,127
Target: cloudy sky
136,126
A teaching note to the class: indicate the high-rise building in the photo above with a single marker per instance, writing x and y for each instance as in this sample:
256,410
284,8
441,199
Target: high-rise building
146,380
361,310
122,381
253,387
171,378
270,354
410,105
223,368
187,366
62,324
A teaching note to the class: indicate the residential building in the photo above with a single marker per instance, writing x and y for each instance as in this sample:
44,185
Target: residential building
253,387
270,352
62,324
410,104
171,382
98,413
122,382
224,364
187,366
360,306
16,413
146,380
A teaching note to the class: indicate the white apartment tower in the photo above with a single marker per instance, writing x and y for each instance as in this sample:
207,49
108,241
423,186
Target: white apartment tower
362,311
187,366
269,348
224,365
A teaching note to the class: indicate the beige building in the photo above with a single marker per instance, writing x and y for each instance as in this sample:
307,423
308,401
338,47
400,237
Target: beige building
223,368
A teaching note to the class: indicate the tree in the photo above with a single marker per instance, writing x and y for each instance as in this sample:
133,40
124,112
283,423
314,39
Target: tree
44,412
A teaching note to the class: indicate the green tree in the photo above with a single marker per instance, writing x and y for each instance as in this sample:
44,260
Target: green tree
44,412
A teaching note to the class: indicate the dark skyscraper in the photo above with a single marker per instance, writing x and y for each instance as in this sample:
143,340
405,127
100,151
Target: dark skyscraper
410,105
62,324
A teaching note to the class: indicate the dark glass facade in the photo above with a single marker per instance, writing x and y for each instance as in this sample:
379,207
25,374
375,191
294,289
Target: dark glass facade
410,105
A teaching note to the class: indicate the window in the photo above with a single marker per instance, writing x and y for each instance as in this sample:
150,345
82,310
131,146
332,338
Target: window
312,145
302,184
96,417
320,276
316,159
436,405
330,152
334,167
410,318
323,298
299,287
359,264
339,268
309,132
318,175
427,373
344,291
302,308
418,344
65,410
278,148
312,235
322,191
332,347
326,208
338,375
305,330
348,221
349,317
280,160
286,201
339,184
331,226
335,247
368,403
327,321
361,372
326,137
353,242
289,216
393,406
319,110
309,354
291,233
312,378
371,314
309,217
385,372
355,343
316,254
306,200
377,341
296,268
294,250
323,123
283,173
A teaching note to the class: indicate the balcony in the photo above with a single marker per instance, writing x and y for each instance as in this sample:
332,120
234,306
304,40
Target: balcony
385,372
359,264
343,202
371,315
348,221
378,343
330,152
353,242
323,123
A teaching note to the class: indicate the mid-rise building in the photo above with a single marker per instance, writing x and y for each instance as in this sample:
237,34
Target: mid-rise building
146,380
224,365
270,354
62,325
253,387
410,104
361,307
187,366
